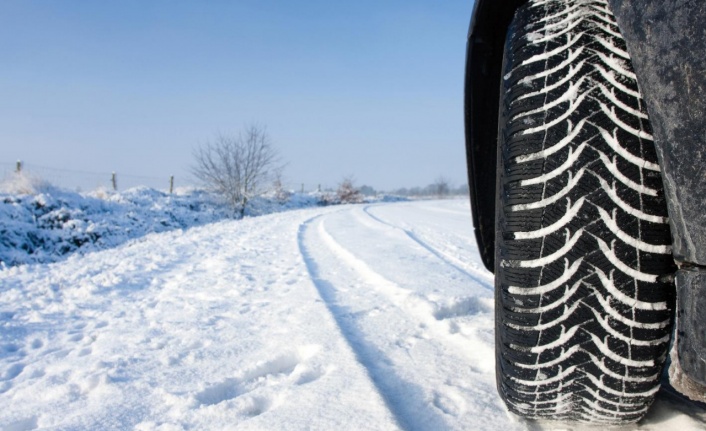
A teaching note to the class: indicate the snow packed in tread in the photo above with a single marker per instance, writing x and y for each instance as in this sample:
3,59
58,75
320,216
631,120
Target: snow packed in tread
583,231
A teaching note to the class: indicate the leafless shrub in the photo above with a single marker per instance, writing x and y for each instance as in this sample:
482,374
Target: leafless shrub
238,167
347,193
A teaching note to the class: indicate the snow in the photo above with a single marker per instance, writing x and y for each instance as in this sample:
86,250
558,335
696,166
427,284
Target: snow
46,224
353,317
40,223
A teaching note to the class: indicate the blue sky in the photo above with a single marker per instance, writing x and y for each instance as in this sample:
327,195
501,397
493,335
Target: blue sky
372,89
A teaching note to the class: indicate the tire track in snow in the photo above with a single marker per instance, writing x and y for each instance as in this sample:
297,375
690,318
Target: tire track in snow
424,312
365,353
444,257
420,396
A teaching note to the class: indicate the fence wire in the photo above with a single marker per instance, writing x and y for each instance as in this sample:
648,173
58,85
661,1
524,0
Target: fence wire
86,181
78,180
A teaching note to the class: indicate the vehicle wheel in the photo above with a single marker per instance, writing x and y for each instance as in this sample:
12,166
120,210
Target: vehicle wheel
583,317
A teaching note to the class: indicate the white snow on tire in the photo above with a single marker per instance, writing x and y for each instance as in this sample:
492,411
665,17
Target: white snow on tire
583,321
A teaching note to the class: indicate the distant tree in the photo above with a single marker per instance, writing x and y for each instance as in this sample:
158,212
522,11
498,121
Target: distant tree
347,193
440,187
238,167
367,191
401,192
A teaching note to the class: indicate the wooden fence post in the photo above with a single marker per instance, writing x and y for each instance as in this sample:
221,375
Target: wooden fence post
115,182
19,166
171,184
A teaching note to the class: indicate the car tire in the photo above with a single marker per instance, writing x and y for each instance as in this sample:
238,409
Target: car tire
583,310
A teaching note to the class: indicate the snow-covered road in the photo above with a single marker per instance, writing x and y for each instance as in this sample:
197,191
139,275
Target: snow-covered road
343,318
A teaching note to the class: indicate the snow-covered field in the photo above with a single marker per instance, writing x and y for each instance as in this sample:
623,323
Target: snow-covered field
355,317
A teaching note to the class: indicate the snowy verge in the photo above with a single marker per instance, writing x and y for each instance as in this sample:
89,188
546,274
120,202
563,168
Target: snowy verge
40,223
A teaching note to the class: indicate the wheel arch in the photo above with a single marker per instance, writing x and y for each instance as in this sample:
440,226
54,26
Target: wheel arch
484,57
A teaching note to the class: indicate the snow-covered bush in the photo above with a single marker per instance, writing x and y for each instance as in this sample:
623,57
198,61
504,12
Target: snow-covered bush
347,193
41,223
48,225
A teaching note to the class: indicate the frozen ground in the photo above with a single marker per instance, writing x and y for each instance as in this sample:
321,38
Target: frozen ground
375,317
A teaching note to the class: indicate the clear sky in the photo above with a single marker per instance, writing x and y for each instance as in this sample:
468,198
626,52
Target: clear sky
372,89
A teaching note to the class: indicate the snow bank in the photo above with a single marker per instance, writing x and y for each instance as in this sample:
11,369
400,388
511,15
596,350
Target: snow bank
46,226
40,223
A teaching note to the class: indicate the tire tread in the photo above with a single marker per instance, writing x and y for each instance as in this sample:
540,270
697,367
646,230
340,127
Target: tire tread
581,336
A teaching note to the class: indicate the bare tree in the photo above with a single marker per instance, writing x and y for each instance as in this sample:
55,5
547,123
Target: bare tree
238,167
441,187
347,193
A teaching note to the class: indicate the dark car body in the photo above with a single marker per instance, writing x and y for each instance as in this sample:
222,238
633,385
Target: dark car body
666,40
